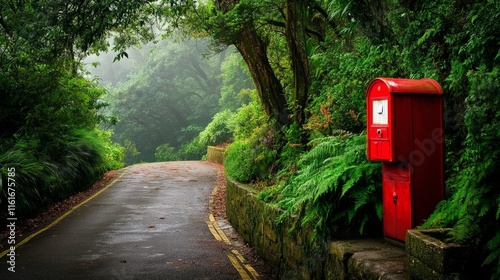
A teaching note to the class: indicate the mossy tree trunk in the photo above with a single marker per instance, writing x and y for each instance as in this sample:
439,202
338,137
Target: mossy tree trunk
254,51
296,41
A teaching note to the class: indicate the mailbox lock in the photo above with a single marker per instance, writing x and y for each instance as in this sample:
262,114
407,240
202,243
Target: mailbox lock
394,197
379,132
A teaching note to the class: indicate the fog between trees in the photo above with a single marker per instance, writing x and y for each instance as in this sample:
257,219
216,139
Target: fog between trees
165,94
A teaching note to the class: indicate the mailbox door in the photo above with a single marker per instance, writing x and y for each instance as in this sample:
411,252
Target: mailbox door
396,192
379,143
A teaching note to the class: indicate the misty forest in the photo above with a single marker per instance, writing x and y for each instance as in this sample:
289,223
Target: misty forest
92,86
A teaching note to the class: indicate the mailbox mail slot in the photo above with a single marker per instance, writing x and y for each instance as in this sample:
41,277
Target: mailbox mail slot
404,131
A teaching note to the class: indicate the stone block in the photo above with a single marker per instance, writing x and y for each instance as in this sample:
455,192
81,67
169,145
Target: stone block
377,265
334,268
292,253
344,249
429,255
269,232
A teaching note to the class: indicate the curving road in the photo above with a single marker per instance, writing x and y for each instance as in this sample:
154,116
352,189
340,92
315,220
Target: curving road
150,224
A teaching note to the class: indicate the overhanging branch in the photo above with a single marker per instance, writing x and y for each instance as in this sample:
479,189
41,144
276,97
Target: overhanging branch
307,30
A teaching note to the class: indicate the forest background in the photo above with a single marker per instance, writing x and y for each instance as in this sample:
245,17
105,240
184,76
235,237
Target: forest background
283,81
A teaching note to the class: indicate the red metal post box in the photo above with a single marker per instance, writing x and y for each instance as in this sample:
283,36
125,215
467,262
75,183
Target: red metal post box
405,132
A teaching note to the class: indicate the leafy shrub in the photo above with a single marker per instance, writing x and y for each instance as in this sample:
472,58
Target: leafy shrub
48,174
30,175
250,122
238,162
114,154
166,153
253,154
336,189
246,162
192,151
218,130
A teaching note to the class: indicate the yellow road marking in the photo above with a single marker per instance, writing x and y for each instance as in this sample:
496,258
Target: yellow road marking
214,232
62,217
222,234
246,271
234,260
247,267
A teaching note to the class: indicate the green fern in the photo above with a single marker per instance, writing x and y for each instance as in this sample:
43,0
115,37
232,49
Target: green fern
336,189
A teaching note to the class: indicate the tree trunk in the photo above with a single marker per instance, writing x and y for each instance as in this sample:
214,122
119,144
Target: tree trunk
254,52
296,41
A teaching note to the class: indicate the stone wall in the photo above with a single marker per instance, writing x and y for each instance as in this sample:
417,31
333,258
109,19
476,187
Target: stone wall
254,221
215,154
294,257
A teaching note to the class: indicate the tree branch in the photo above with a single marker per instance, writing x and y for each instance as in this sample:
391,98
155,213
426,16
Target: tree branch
307,30
327,19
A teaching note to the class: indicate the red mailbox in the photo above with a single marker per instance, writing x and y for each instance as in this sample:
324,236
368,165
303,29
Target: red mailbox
405,132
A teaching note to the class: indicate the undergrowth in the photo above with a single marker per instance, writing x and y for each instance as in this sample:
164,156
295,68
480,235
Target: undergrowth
48,174
336,189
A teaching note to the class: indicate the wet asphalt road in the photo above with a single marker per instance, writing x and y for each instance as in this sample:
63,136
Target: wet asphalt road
151,224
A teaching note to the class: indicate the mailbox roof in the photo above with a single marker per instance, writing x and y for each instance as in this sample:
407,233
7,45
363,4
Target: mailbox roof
409,86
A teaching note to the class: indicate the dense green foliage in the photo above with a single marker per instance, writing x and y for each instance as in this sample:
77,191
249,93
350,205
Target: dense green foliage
335,186
50,136
167,99
310,62
251,156
218,131
48,112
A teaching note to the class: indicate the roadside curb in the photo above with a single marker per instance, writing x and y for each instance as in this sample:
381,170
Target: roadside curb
246,271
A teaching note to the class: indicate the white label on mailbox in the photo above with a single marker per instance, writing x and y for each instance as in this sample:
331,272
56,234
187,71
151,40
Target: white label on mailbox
380,114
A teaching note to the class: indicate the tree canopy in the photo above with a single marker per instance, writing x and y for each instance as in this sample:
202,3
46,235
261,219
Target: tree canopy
167,99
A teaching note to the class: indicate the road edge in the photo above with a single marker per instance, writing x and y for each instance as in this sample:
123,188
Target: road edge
246,271
56,221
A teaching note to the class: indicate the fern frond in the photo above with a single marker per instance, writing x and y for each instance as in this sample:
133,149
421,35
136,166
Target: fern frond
335,187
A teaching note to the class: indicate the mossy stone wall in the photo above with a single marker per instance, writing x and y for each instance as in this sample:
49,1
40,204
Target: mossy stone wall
215,154
289,253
